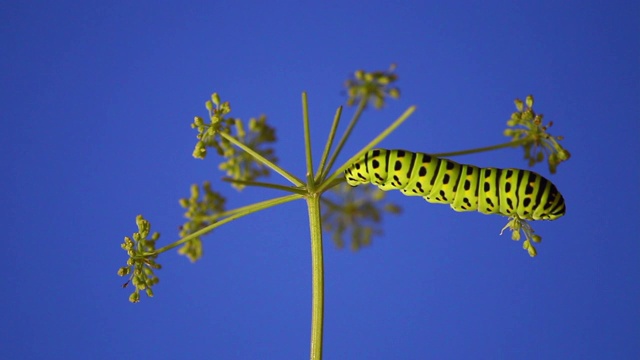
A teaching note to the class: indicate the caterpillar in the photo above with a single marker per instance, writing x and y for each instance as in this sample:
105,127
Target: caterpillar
510,192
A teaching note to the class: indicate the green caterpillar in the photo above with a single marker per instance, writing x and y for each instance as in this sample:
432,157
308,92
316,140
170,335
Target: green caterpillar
510,192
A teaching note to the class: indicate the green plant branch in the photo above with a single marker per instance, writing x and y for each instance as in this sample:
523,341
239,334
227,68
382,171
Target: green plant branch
232,215
317,270
330,184
483,149
307,142
290,189
374,142
292,178
248,209
354,120
329,143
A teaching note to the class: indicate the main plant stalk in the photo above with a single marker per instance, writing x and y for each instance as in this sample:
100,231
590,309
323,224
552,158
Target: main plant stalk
317,266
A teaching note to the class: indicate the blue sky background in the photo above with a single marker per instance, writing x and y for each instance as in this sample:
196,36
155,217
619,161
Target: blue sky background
97,99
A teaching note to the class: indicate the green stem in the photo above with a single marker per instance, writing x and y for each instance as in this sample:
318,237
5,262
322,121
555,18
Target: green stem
290,189
328,144
373,143
483,149
292,178
307,142
347,133
330,184
236,214
317,268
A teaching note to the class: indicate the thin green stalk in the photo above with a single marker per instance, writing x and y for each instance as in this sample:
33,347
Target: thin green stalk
317,269
290,189
328,144
307,142
249,209
292,178
373,143
236,214
330,184
345,136
483,149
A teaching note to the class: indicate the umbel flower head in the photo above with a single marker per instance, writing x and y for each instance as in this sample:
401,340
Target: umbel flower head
203,208
373,86
221,131
516,225
526,125
141,262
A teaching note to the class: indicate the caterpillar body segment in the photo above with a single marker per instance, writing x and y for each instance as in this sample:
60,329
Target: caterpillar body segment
510,192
